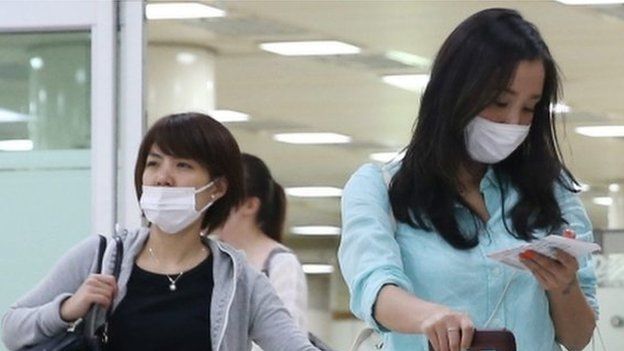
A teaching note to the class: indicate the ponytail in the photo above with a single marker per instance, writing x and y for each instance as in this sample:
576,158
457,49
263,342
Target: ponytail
272,214
259,183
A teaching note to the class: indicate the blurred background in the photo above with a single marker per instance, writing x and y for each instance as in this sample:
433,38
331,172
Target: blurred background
80,81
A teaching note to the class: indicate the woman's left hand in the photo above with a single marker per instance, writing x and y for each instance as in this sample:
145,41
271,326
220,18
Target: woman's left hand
554,274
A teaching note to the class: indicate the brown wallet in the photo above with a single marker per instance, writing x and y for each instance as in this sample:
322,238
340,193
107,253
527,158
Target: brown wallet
491,340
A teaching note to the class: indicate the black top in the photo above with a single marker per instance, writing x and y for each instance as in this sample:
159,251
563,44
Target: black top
152,317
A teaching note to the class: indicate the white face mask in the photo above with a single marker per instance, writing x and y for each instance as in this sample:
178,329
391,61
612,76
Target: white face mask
490,142
172,208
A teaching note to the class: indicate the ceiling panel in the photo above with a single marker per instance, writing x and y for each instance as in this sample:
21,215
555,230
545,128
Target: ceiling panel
311,94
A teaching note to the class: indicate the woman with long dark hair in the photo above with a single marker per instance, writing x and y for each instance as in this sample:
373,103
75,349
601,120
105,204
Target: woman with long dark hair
256,226
481,173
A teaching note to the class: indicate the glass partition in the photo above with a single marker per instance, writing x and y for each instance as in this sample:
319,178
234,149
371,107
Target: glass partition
45,159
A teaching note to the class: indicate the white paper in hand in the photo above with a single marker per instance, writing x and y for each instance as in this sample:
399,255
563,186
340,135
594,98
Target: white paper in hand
545,246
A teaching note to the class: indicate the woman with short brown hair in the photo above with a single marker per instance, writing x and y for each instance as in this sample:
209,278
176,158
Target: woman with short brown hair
178,289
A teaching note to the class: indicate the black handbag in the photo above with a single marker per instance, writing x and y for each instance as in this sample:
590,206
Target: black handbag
79,337
491,340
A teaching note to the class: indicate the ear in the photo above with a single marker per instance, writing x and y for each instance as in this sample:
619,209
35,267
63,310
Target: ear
221,187
250,206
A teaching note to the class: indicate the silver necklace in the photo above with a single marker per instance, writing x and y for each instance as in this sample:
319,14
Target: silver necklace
172,281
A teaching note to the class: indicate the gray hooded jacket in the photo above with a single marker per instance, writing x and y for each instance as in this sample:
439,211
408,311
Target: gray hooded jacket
244,305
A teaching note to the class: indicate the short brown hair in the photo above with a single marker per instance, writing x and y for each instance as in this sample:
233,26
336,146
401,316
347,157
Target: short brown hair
200,138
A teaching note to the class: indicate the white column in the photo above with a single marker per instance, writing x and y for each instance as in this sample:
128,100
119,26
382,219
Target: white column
616,209
131,107
180,79
613,242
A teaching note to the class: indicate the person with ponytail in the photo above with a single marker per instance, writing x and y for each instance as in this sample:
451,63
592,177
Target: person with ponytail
482,173
256,227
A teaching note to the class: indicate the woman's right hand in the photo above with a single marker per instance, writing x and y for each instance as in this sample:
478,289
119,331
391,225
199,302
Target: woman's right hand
97,289
448,330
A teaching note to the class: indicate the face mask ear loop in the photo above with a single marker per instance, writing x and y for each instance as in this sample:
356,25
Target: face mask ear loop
207,205
206,186
500,301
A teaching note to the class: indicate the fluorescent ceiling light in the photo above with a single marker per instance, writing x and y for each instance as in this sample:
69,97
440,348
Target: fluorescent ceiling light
603,201
181,10
11,116
315,268
590,2
186,58
312,138
227,116
614,188
385,157
411,82
408,59
601,131
560,108
315,230
314,191
310,48
16,145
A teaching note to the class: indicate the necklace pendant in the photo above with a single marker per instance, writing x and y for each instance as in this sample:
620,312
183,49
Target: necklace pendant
172,287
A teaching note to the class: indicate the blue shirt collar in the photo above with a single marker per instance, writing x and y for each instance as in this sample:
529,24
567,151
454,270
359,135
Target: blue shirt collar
489,179
487,182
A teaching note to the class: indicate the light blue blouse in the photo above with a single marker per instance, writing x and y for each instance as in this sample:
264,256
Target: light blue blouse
372,255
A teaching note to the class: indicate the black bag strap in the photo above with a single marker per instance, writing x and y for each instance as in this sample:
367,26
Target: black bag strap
267,263
119,253
101,253
118,258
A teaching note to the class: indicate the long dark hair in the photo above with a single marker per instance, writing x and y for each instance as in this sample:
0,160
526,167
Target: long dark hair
259,183
200,138
474,65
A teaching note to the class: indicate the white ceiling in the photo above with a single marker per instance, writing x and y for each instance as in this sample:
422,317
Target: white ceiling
341,95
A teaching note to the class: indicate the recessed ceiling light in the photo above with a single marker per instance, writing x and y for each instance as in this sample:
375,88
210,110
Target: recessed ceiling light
385,157
408,59
310,48
560,108
411,82
603,201
16,145
614,188
312,138
601,131
315,230
314,191
186,58
590,2
181,10
316,268
228,116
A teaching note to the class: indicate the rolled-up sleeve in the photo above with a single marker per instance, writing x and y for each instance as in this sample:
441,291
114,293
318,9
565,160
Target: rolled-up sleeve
369,255
576,217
